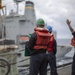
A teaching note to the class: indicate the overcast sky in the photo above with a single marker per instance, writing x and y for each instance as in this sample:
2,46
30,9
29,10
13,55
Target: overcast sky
54,12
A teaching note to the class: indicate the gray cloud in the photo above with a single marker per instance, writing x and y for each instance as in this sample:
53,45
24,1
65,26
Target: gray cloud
59,11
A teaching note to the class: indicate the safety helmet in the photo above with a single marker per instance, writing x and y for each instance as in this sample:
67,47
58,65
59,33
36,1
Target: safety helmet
49,28
40,22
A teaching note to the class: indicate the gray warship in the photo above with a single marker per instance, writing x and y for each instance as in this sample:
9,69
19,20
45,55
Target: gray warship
17,27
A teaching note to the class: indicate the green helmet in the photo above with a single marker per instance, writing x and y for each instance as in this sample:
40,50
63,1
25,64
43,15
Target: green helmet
40,22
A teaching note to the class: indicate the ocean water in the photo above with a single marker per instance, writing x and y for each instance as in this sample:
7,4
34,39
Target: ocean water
63,41
66,42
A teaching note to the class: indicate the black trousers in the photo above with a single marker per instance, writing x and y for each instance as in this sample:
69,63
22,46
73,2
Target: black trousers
38,64
52,63
73,65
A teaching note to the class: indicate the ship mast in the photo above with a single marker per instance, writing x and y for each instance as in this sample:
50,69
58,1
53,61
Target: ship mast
17,3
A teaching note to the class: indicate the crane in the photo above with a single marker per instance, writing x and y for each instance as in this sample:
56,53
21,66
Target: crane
1,7
2,18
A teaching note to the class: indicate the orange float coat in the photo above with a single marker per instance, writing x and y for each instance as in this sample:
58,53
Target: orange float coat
42,40
73,41
50,48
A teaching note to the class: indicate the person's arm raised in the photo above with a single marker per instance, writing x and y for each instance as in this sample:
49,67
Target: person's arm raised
69,25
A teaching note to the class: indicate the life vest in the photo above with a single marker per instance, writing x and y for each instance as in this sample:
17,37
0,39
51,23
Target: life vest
73,41
50,48
42,39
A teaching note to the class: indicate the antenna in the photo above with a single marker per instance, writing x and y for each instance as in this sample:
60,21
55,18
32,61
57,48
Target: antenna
17,3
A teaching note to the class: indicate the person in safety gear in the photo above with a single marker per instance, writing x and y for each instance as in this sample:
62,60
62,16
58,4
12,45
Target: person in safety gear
52,49
73,44
38,44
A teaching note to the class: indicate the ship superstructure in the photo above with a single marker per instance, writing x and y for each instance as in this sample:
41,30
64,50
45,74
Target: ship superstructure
20,25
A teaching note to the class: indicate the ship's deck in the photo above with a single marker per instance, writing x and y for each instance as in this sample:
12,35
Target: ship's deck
62,70
66,70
